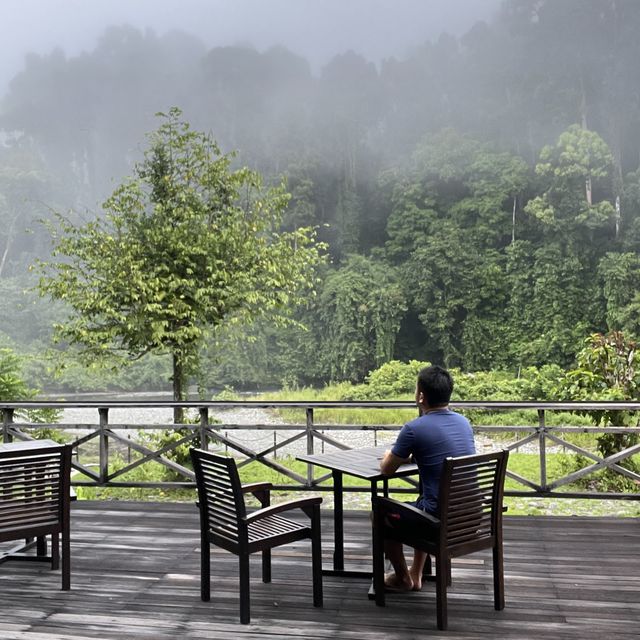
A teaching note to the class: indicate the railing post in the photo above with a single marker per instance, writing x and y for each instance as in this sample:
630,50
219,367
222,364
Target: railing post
309,412
104,444
204,424
7,421
542,447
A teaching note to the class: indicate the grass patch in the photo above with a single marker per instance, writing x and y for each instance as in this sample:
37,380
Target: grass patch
526,465
148,472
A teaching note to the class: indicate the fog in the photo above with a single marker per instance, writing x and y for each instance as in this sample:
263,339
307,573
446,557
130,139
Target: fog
315,29
472,167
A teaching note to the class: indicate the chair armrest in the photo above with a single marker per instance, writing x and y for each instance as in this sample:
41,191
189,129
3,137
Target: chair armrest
256,486
381,503
260,490
282,506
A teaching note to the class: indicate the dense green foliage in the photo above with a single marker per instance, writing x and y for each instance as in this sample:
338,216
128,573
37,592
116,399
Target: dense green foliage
13,388
185,246
480,197
607,370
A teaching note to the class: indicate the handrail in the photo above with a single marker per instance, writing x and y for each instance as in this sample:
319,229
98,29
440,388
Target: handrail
317,404
108,434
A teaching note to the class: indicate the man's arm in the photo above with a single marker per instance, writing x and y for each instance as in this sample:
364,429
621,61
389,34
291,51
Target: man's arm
390,463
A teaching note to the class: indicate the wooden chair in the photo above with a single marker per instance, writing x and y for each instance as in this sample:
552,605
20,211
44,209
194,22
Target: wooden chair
470,503
225,522
35,502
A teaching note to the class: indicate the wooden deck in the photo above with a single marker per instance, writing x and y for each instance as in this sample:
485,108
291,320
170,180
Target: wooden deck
135,575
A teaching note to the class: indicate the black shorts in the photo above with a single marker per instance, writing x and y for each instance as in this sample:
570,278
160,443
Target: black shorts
407,523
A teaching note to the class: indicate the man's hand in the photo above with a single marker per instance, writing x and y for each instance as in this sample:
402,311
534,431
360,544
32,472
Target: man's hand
390,462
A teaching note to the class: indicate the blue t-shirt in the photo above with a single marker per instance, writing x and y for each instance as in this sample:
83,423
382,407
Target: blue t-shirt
430,439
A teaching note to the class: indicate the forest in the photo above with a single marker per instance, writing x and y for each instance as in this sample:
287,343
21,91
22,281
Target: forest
479,198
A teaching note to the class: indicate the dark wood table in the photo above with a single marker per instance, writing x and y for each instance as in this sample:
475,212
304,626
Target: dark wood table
26,445
361,463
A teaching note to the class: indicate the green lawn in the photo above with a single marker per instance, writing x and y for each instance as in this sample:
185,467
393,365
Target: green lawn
526,465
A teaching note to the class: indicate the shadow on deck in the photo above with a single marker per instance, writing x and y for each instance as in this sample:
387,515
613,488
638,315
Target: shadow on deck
135,574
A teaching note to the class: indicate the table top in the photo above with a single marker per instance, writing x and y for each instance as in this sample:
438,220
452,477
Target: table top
26,445
361,463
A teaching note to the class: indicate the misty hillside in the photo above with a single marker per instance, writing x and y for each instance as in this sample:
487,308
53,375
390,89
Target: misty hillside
479,194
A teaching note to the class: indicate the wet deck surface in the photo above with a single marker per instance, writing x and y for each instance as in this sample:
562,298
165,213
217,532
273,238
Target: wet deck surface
135,574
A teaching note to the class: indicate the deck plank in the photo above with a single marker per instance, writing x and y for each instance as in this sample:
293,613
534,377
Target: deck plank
135,576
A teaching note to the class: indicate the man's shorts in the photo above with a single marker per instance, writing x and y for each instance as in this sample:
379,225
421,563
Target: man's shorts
407,523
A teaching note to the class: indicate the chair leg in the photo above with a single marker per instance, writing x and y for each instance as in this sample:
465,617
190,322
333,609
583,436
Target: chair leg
442,564
266,565
41,546
66,557
427,570
245,613
378,557
55,551
498,578
205,569
316,556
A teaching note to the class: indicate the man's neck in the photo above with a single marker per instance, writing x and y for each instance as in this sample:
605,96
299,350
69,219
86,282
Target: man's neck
425,409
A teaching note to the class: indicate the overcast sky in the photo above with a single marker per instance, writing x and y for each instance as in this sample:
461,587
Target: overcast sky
317,29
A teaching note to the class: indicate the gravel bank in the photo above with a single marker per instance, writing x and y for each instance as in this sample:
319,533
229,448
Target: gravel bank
256,439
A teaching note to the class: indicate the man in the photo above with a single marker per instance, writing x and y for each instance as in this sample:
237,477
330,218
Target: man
435,435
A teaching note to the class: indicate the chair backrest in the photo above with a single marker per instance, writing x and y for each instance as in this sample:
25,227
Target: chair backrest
471,493
219,494
34,491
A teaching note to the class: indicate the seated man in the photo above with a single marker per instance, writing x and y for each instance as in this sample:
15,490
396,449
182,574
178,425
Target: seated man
437,434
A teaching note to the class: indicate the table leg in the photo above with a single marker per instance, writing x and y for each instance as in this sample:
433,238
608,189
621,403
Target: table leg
338,522
41,546
374,492
338,534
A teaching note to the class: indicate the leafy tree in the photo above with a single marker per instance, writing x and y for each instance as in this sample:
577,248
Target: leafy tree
607,370
359,308
571,170
14,388
185,245
23,183
347,107
451,221
76,111
620,274
394,380
564,305
574,219
265,355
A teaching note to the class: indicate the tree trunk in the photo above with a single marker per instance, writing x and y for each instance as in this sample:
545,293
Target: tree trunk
178,388
8,244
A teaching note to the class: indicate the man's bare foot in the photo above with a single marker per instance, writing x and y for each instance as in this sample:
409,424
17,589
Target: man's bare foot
417,582
393,583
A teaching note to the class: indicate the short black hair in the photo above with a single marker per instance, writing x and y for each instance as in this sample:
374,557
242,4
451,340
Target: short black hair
436,384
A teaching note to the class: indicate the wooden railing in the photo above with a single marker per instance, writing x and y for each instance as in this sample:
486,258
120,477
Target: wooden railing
311,437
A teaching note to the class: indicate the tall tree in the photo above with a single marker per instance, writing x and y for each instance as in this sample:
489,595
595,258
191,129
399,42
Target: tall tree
620,273
360,309
452,218
185,245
